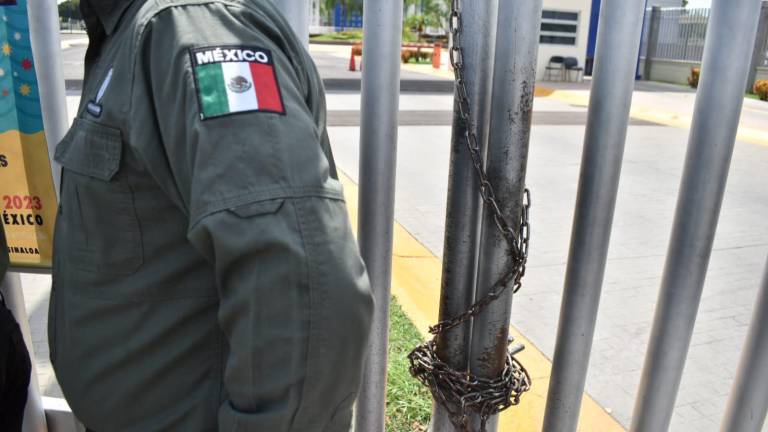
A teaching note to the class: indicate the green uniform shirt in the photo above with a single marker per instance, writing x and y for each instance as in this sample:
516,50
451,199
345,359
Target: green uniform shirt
205,274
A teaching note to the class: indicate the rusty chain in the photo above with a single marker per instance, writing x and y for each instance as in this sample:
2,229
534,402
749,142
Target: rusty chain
461,392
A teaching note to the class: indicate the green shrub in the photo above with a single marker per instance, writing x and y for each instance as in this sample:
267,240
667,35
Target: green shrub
761,89
693,80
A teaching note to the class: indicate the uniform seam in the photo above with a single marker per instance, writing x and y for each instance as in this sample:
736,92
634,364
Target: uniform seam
296,421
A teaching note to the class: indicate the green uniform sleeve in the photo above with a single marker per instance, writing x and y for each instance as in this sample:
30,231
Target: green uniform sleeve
265,210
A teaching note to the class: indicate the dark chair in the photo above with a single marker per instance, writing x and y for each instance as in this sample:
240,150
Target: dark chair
555,63
571,64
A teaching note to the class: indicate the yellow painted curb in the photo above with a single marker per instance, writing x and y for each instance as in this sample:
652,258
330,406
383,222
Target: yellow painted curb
416,276
655,115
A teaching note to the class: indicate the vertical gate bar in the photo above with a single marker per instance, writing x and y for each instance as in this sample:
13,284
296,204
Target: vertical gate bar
34,414
727,51
517,45
652,48
748,402
618,40
462,223
46,48
761,45
382,33
297,14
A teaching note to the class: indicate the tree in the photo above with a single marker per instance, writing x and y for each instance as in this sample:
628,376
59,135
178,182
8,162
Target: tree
327,8
685,3
70,9
427,13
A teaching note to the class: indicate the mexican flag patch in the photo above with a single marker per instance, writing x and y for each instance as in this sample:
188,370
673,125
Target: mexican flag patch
235,79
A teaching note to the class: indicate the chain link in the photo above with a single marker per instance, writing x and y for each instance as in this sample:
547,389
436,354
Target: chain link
460,392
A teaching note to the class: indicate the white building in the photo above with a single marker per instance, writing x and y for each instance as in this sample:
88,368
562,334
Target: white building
564,31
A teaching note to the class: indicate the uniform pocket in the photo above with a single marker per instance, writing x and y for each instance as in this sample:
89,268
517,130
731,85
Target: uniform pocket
102,231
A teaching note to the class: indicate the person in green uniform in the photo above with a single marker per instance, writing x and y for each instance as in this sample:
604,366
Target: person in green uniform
205,274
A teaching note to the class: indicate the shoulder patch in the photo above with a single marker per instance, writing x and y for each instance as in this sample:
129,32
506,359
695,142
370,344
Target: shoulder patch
235,79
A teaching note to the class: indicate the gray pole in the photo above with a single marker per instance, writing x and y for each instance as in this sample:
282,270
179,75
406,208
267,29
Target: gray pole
517,46
297,14
462,224
653,41
46,50
730,37
34,414
382,26
748,403
618,41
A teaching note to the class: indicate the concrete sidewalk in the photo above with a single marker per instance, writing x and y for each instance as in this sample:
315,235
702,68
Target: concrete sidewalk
669,104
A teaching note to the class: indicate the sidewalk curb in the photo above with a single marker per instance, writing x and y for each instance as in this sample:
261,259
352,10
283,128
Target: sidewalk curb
416,274
683,121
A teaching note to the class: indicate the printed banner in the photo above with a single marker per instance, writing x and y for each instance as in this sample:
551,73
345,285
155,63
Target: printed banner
27,196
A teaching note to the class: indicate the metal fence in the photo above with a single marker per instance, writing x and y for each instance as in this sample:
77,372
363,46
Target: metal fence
71,25
646,32
764,63
681,33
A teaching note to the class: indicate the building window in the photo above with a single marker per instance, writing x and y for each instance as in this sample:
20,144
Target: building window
559,27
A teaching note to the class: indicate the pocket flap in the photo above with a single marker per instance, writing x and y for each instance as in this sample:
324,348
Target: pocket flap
91,149
258,208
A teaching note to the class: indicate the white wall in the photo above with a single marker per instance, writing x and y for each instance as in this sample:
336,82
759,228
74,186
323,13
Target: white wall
671,71
762,73
580,49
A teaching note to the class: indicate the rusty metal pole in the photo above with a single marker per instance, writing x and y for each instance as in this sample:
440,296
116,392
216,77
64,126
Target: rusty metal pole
517,46
462,224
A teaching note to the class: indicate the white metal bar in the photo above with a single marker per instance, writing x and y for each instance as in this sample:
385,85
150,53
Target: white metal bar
382,27
618,41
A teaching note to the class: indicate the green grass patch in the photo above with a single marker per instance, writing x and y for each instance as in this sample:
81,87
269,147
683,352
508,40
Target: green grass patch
752,96
409,404
347,35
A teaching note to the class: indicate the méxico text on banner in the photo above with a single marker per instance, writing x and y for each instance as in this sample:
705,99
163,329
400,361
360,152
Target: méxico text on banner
27,196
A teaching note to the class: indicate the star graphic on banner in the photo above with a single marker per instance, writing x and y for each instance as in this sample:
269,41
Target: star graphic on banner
2,72
17,36
25,89
6,49
26,64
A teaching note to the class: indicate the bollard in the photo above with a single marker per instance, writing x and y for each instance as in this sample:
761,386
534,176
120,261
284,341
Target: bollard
437,52
352,66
